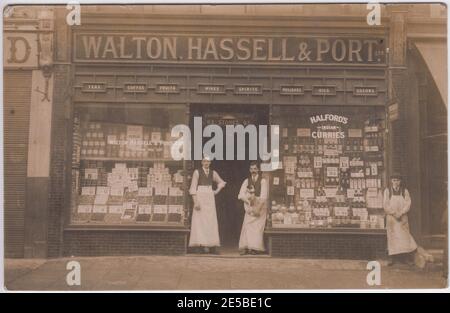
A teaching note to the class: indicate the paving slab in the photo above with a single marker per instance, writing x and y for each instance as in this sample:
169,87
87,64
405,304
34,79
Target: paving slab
210,273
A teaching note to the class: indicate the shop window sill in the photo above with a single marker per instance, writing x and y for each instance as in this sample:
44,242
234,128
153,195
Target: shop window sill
326,231
131,227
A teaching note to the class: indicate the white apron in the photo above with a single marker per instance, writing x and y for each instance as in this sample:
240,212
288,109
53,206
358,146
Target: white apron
253,230
204,228
399,238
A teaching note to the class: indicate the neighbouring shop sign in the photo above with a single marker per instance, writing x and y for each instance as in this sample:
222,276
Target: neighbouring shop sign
288,90
117,47
94,87
210,89
324,90
20,50
365,91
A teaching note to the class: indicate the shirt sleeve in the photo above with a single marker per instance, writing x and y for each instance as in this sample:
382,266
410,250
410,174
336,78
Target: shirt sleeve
242,193
264,190
217,179
406,203
194,183
386,202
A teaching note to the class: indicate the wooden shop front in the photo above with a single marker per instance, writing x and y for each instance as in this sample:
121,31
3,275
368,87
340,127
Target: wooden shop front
328,94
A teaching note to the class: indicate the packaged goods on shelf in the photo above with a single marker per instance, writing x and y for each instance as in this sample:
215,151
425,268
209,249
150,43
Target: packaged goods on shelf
128,182
332,174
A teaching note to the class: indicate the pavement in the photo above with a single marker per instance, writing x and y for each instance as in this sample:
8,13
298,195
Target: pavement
203,272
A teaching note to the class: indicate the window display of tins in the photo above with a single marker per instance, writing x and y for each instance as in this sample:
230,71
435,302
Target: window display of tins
123,173
132,192
332,169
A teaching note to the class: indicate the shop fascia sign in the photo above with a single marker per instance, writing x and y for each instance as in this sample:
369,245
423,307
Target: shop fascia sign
20,50
116,47
330,126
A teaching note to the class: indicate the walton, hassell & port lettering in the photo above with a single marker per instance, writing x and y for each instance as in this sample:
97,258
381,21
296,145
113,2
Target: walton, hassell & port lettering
147,48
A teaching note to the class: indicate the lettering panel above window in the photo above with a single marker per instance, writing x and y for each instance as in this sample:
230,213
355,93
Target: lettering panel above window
194,48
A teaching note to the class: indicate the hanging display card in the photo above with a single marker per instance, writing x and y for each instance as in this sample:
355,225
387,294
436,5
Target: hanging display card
330,192
332,171
289,169
306,193
317,162
344,162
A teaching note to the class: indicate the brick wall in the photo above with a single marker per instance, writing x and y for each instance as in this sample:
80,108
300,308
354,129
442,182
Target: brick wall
113,242
338,246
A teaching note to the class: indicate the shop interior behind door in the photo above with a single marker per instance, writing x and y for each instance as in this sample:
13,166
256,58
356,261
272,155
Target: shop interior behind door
230,211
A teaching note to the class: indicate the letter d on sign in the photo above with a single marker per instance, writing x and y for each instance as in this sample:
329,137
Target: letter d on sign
73,278
374,276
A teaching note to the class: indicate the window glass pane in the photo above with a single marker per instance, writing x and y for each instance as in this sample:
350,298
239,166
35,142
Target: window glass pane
122,170
333,168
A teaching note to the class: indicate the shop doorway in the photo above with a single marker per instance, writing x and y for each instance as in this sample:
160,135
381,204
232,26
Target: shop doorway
230,211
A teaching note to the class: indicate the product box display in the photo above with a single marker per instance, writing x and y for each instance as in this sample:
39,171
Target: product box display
332,171
99,139
122,174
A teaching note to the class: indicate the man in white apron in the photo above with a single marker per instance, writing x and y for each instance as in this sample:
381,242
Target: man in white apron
204,227
254,195
397,202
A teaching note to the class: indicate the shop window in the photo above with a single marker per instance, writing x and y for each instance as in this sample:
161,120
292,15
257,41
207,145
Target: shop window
332,172
122,170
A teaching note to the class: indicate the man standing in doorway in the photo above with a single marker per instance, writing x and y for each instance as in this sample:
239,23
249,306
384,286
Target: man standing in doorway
254,195
205,230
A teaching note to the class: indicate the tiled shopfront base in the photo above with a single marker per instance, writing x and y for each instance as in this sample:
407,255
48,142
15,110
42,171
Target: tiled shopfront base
328,244
124,242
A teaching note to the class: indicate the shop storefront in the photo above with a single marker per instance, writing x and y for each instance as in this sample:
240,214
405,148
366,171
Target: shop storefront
328,94
345,96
